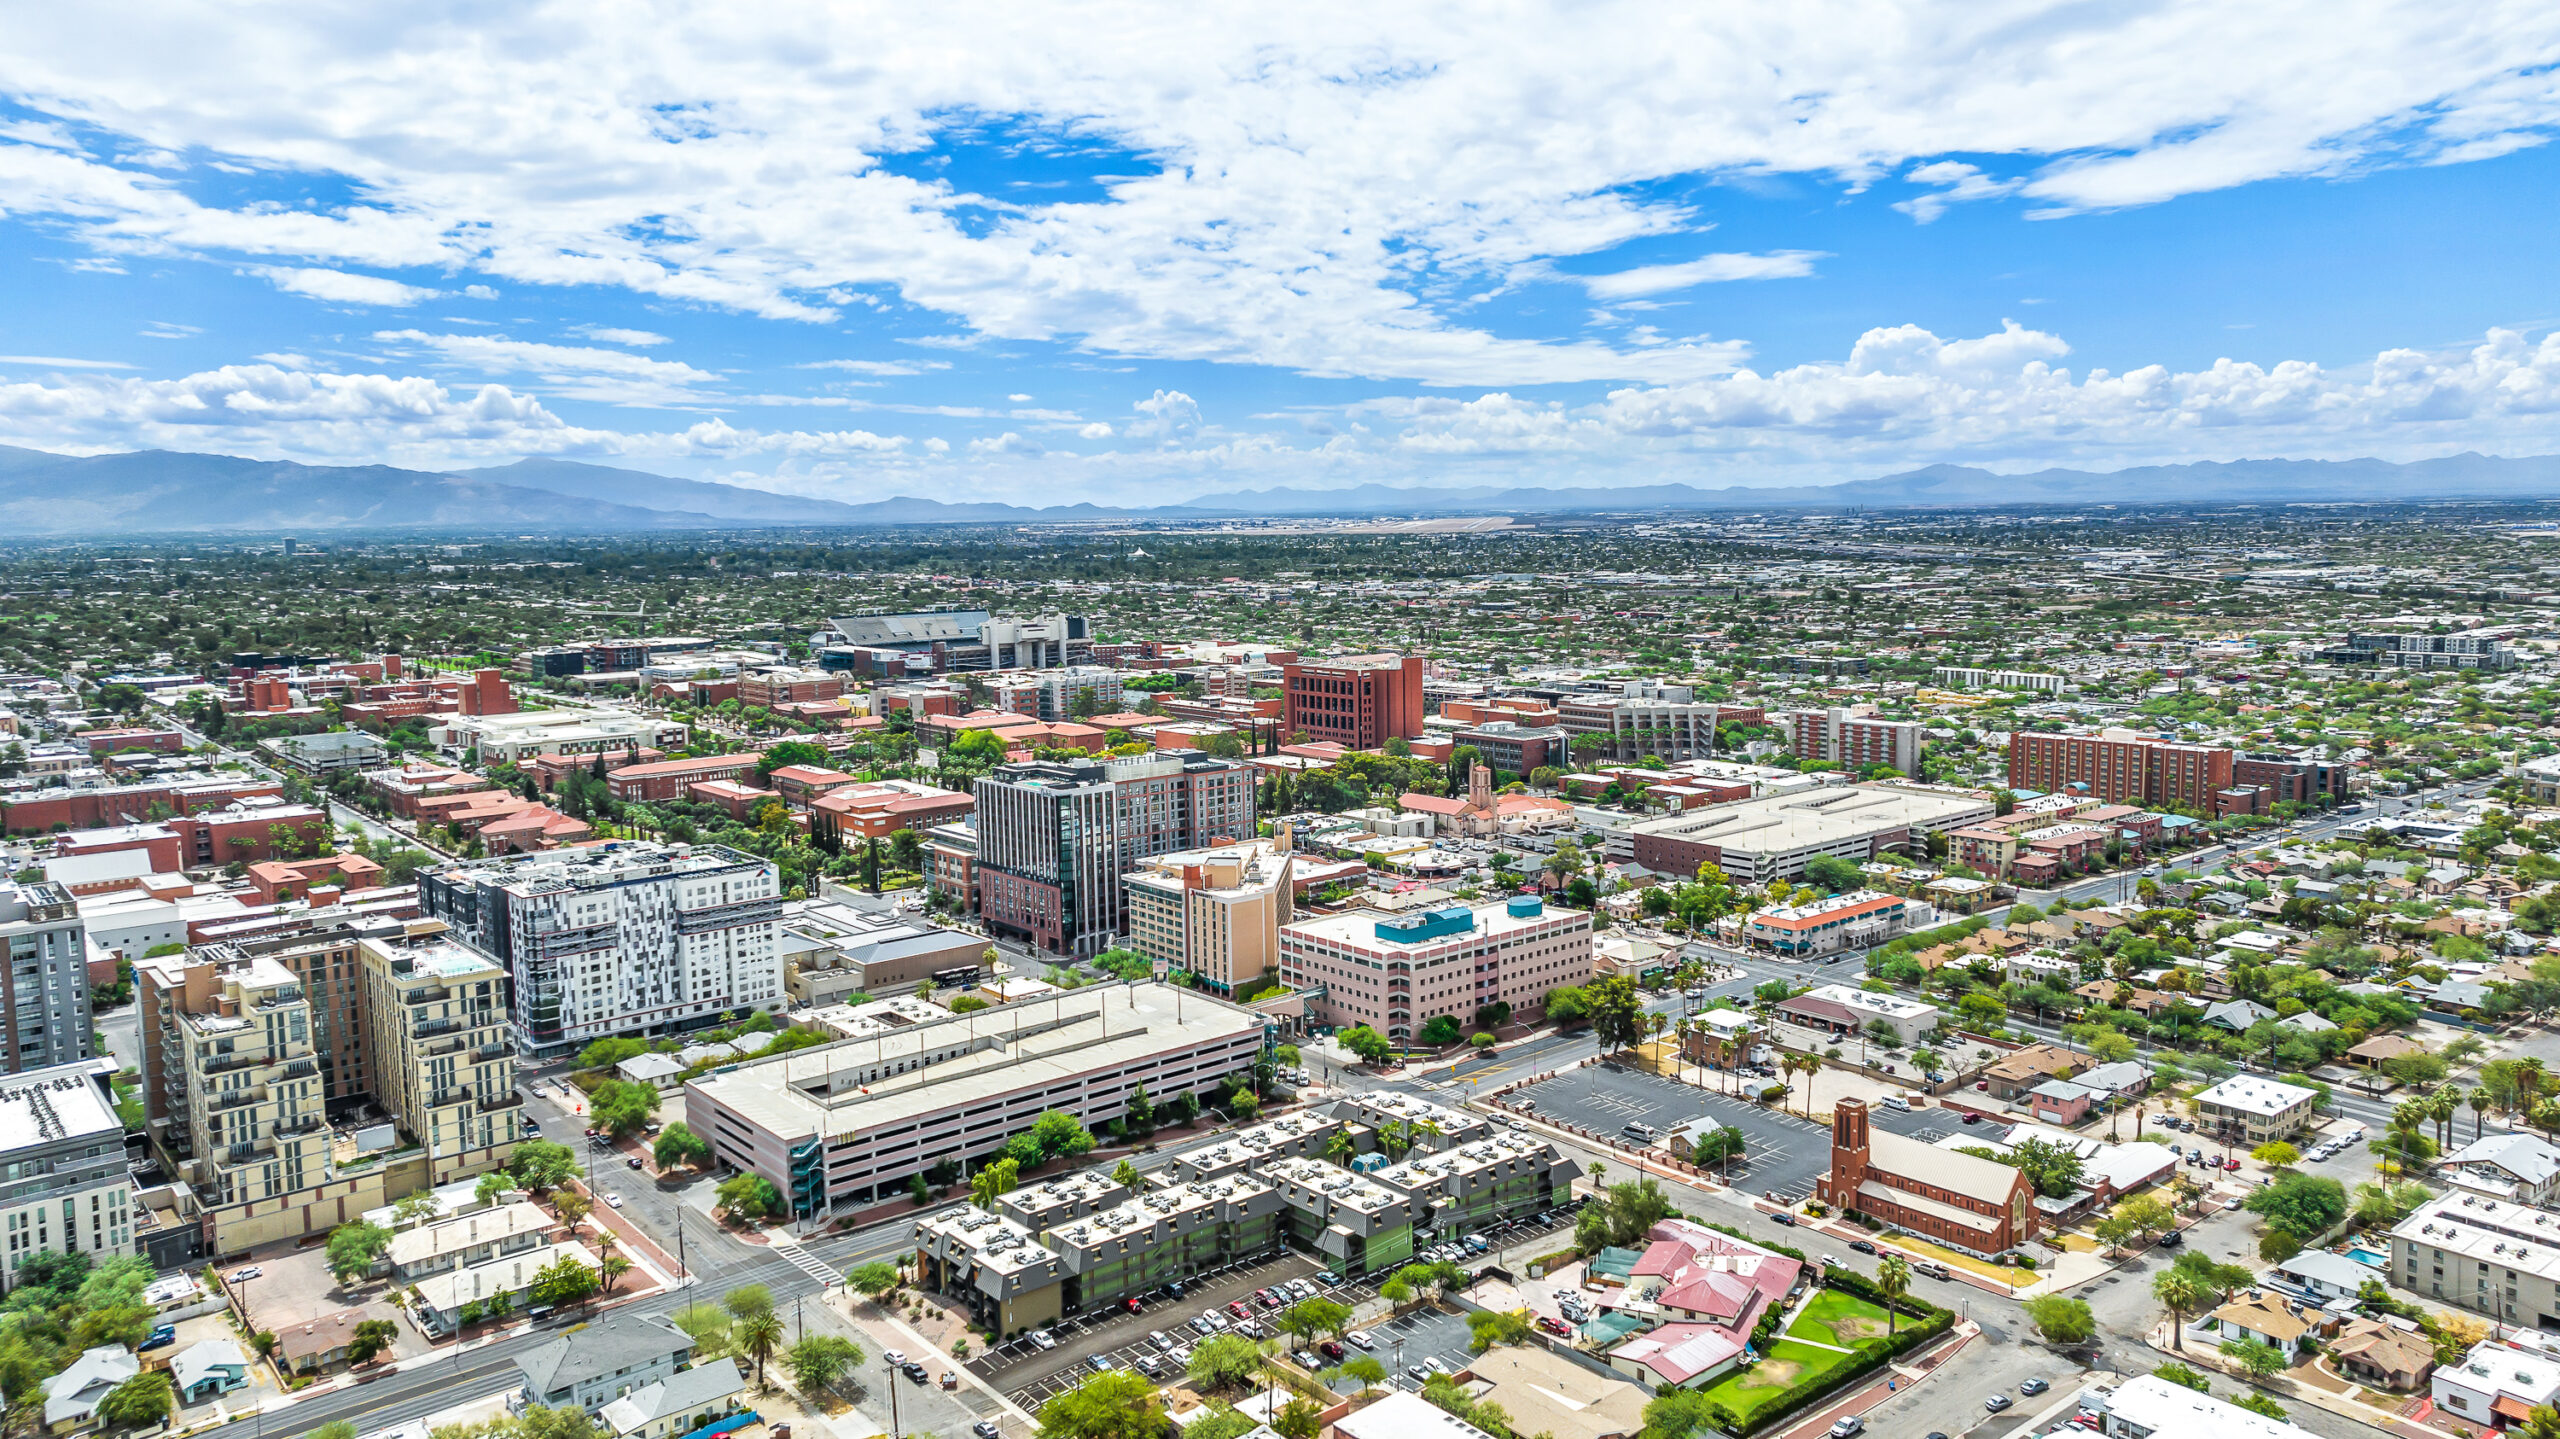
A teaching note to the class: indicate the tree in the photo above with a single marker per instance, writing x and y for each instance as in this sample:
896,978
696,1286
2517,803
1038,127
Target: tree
874,1279
1116,1405
491,1185
1299,1419
1371,1046
1364,1368
353,1248
572,1207
542,1166
801,752
1441,1031
2259,1358
1833,873
747,1301
997,1179
1893,1280
819,1360
143,1401
747,1197
371,1337
2050,1165
2181,1295
1224,1361
1141,1120
610,1269
1617,1012
2062,1320
1319,1316
679,1145
757,1337
2276,1154
564,1281
1568,1006
622,1107
2300,1204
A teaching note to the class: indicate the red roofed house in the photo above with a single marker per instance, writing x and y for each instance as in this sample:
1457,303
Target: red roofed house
1713,1288
532,828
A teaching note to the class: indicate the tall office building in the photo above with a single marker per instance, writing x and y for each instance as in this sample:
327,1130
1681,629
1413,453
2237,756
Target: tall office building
1215,913
1054,839
1360,702
619,939
45,1004
62,1148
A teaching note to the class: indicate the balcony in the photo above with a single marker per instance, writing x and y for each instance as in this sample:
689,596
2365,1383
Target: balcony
487,1052
235,1099
492,1103
304,1125
442,1097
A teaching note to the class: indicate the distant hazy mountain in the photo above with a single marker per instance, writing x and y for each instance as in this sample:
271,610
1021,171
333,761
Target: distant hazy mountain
161,492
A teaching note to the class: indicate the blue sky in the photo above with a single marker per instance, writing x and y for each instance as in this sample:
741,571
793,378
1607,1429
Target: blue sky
1189,251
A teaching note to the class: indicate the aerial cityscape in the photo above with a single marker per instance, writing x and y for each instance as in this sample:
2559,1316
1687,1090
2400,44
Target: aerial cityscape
1176,724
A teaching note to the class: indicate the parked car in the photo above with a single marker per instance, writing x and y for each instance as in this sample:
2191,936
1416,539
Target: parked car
1043,1339
1929,1269
1099,1363
1330,1350
1361,1338
1553,1325
1997,1402
950,1378
1846,1425
2171,1240
1202,1325
2033,1387
633,1161
1862,1246
915,1372
1159,1339
986,1429
1237,1309
1784,1217
163,1335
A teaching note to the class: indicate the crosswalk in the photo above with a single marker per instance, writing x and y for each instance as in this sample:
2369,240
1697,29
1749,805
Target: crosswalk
790,1252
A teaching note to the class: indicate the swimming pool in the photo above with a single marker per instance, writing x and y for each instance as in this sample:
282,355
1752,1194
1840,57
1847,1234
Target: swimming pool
2374,1258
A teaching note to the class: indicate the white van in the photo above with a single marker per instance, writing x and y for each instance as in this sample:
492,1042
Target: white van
1896,1101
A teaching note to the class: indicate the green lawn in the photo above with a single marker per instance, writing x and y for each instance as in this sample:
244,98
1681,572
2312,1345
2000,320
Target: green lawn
1837,1317
1780,1369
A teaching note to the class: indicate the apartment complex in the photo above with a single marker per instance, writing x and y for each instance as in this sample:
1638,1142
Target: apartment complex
251,1050
2469,650
45,1004
1774,836
2119,765
848,1123
64,1187
1515,749
1359,702
2257,1110
1060,694
1852,740
1957,677
1216,913
623,938
1054,839
1860,919
2289,778
1397,973
2490,1256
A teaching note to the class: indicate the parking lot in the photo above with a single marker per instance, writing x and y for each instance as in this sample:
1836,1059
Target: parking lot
1423,1339
1031,1374
1783,1154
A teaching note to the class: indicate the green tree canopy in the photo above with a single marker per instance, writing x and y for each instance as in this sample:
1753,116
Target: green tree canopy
354,1247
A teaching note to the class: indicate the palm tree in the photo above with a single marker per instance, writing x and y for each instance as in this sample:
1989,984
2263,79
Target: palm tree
1893,1280
1340,1148
611,1268
1808,1066
757,1337
2444,1105
2183,1296
2479,1101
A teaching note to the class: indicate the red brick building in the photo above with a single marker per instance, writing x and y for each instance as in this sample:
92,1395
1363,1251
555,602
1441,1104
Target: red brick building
277,880
2119,765
126,803
775,687
874,811
158,840
1359,702
667,778
258,830
158,741
1962,1200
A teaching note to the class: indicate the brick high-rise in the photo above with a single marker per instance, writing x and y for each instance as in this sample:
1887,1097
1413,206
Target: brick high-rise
1359,702
1854,741
2119,765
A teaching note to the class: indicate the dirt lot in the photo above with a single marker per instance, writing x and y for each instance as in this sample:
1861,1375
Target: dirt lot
294,1288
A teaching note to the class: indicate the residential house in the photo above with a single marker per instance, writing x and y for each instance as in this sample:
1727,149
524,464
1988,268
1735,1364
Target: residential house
319,1343
71,1397
1544,1392
2518,1167
677,1404
2023,1069
208,1367
2060,1101
2236,1015
2498,1384
2383,1355
2271,1319
2326,1276
2258,1109
602,1362
2124,1079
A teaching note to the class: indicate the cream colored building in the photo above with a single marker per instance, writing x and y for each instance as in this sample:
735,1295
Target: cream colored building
436,1037
1214,912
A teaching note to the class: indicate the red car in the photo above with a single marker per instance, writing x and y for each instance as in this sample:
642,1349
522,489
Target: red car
1236,1308
1329,1349
1553,1325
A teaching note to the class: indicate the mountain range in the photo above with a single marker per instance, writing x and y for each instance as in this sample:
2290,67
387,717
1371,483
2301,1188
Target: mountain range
169,492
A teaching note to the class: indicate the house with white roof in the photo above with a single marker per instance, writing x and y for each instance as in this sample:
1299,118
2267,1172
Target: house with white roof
677,1404
2520,1167
2326,1276
2259,1109
2497,1384
2147,1405
72,1396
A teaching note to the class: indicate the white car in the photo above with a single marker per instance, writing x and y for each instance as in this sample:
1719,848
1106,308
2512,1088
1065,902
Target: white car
1041,1337
614,1199
243,1276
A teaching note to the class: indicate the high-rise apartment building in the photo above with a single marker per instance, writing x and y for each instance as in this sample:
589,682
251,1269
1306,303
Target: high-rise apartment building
1059,694
1215,912
1054,839
435,1039
1853,741
253,1050
2119,765
1359,702
63,1183
44,995
1645,719
619,939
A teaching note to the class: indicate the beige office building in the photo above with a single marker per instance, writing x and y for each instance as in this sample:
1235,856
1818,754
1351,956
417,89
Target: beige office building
1214,912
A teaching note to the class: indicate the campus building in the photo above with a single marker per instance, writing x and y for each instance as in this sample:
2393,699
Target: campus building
2121,766
1359,702
1658,720
1860,919
1977,1205
844,1124
1397,973
1852,740
625,938
1053,840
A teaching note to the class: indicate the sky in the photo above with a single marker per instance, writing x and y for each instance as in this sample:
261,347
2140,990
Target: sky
1141,253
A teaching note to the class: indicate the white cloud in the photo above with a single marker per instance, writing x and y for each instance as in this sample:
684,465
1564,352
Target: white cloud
1707,269
1167,414
1330,184
1098,430
57,362
879,367
641,339
170,330
340,288
612,377
479,292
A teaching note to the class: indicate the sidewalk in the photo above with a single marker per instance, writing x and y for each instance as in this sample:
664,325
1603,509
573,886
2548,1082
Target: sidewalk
887,1331
1897,1380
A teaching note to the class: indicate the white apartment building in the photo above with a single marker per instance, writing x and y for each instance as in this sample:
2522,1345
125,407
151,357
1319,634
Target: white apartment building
1397,973
63,1183
47,979
1214,912
1052,695
1956,677
619,939
2489,1256
2261,1109
1644,719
